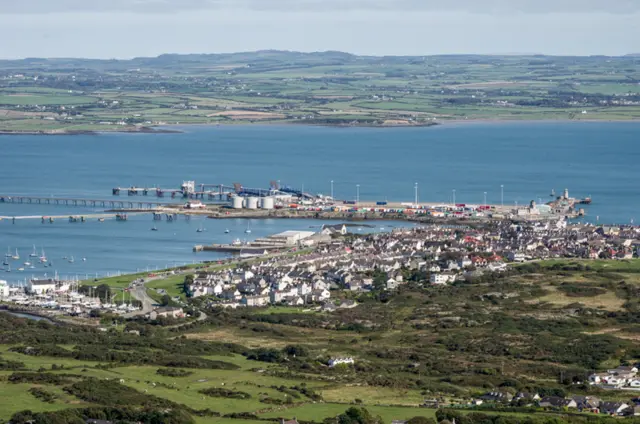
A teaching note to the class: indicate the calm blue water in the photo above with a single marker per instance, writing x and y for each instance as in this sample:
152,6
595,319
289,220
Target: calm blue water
529,159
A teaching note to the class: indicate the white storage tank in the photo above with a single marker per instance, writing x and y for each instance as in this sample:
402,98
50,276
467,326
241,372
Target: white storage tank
268,203
252,203
236,203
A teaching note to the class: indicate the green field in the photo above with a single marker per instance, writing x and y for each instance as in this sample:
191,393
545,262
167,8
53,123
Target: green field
318,88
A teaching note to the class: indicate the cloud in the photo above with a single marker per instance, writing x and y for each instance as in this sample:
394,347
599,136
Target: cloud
172,6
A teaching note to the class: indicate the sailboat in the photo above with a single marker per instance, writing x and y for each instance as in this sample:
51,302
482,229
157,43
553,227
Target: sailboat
8,254
27,263
34,254
226,231
71,260
248,230
43,257
154,228
16,256
8,269
5,262
200,229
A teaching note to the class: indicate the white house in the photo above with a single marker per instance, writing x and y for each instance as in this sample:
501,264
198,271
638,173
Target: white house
4,289
517,257
337,361
441,279
41,286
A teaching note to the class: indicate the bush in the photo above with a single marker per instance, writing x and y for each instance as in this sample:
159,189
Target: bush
43,395
224,393
169,372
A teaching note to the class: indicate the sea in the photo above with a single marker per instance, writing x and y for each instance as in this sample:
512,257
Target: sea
510,162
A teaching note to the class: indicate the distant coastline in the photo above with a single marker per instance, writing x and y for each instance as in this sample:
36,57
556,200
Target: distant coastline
171,128
140,130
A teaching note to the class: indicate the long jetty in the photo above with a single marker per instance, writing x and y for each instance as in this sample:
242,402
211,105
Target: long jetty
67,201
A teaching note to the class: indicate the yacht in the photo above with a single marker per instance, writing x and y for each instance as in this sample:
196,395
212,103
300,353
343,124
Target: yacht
226,231
16,256
84,259
43,257
5,262
20,269
33,254
27,263
248,230
71,260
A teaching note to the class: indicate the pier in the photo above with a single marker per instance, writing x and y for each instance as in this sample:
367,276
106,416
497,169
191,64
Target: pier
188,190
112,203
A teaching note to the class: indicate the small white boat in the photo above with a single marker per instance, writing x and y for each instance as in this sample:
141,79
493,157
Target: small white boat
84,259
248,230
16,256
34,254
8,254
226,231
43,257
27,263
154,228
20,269
71,260
32,267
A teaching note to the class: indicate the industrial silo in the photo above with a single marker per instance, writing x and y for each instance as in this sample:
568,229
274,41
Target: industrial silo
252,203
267,203
236,203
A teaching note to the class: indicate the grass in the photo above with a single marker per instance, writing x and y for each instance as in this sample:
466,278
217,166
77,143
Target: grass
16,397
317,412
44,100
627,265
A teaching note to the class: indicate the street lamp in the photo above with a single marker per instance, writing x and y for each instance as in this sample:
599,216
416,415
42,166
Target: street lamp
416,195
331,189
454,197
357,193
485,199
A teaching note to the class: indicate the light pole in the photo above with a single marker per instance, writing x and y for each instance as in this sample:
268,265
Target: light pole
357,193
502,195
416,195
485,199
331,189
454,197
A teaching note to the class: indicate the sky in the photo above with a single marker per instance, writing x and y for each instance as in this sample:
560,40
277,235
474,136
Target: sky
134,28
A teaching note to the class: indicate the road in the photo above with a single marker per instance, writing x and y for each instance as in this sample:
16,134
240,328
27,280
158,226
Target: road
139,291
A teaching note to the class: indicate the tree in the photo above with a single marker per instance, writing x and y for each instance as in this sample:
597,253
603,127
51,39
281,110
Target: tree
165,300
103,291
355,415
188,280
